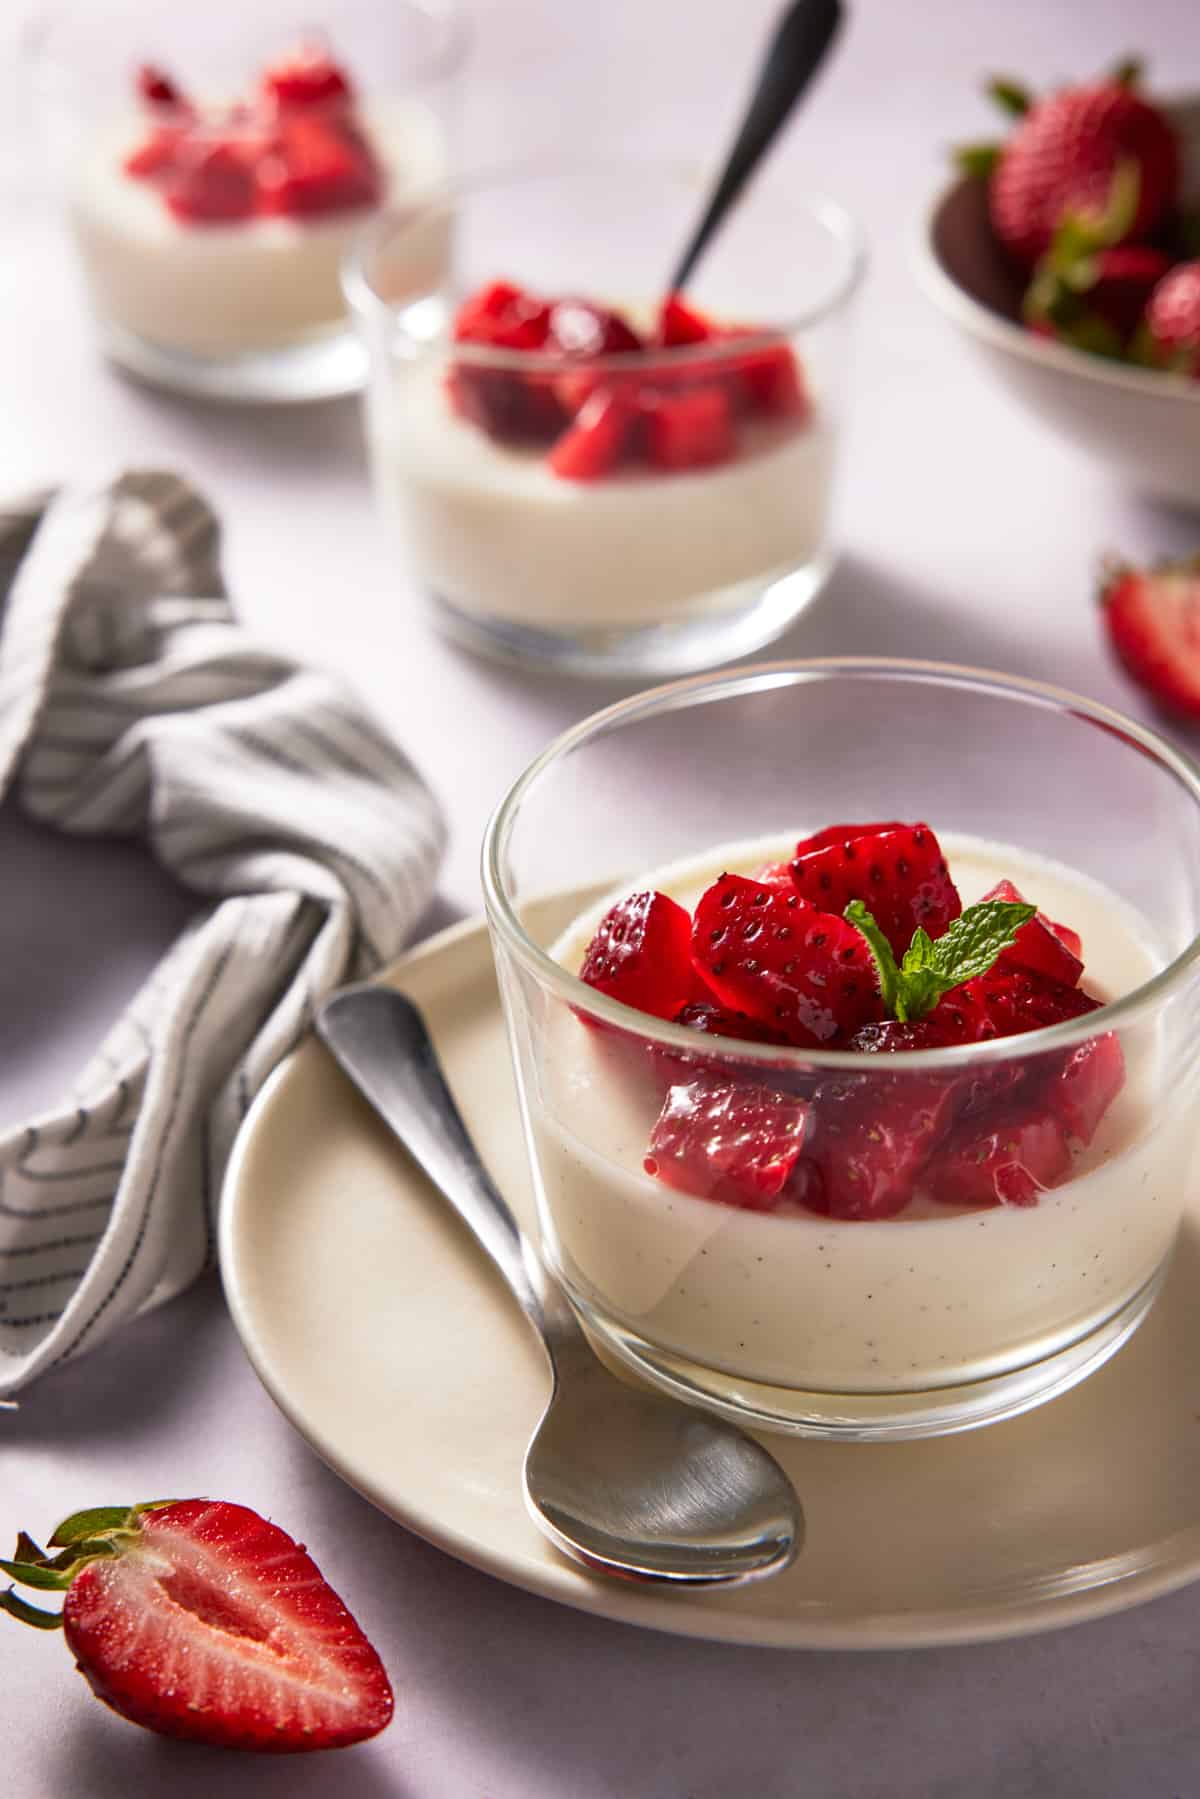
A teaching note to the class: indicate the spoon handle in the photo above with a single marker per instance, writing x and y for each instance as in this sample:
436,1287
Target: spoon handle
381,1041
797,48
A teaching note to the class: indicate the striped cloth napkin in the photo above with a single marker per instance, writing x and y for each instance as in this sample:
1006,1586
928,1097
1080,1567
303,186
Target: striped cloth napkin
132,704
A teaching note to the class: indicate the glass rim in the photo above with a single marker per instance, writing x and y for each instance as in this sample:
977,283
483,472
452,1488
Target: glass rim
37,44
416,208
677,696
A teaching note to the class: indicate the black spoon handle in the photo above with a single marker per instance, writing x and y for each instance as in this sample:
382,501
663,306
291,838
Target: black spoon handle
797,49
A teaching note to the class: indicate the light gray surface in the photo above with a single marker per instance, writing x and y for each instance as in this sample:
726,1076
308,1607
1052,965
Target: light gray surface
968,534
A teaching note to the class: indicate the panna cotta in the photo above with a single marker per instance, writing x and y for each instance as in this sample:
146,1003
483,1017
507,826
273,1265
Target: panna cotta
218,229
863,1228
563,469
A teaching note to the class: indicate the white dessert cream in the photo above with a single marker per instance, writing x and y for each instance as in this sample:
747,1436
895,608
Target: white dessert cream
215,289
494,531
936,1296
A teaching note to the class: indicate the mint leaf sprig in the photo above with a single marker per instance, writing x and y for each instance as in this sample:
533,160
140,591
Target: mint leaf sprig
932,966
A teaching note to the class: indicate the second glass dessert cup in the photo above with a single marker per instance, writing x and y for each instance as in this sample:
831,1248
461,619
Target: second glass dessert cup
808,1313
704,527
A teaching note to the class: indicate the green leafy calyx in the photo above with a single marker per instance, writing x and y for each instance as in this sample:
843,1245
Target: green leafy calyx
931,966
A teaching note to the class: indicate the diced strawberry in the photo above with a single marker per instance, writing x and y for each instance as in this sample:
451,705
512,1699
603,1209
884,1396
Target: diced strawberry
1020,999
1002,1160
595,444
503,316
579,329
714,1020
688,428
680,324
1081,1090
641,955
492,301
155,87
770,382
308,77
724,1141
212,186
833,834
898,871
869,1140
317,167
517,409
762,951
1039,944
158,153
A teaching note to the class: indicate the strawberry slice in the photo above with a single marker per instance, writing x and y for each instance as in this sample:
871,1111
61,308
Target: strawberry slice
868,1142
762,951
641,955
897,870
1041,944
1153,622
200,1619
594,445
689,428
736,1144
1005,1160
212,186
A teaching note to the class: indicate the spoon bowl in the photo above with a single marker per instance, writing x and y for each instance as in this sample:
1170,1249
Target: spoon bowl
626,1481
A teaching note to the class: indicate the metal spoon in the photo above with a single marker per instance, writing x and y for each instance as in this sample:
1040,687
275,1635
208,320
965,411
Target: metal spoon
628,1482
796,51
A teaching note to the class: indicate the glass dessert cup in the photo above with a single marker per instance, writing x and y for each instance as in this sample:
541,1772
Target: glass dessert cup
238,298
668,561
954,1312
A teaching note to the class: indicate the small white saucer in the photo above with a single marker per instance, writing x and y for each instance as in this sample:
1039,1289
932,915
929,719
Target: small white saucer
377,1327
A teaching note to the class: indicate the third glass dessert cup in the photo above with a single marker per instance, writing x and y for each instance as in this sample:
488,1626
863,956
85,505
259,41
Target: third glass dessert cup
936,1225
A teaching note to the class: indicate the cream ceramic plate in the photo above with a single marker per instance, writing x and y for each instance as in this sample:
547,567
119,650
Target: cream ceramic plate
375,1324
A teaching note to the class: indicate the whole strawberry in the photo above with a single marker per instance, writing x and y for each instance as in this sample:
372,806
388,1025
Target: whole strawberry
1063,155
199,1619
1170,334
1153,621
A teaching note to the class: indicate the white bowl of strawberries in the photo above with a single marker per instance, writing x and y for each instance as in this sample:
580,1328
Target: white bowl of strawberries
1069,255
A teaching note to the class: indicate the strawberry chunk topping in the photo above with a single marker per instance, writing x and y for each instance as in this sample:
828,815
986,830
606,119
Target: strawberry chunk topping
1040,945
666,414
897,870
1006,1160
641,956
768,953
297,151
721,1140
869,1141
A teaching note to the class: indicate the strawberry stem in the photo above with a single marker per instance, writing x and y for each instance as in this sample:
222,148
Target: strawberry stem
1128,72
977,159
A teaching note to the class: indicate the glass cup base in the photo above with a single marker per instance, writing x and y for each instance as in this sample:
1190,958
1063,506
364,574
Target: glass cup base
754,615
325,367
870,1417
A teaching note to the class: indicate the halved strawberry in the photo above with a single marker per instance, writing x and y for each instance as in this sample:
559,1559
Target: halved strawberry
595,444
897,870
1040,944
718,1139
869,1140
641,955
1153,620
1003,1160
199,1619
1171,335
688,427
805,973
